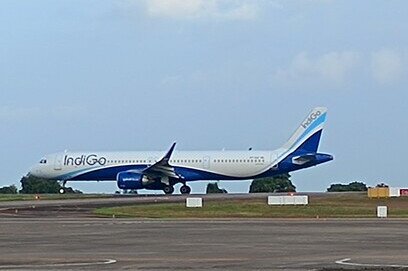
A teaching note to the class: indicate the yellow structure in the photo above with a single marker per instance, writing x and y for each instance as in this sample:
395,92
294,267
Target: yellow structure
379,192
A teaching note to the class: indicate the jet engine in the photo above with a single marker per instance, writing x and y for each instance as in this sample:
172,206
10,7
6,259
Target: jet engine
130,180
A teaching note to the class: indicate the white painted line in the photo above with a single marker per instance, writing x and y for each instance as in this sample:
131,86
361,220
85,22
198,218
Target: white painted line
104,262
346,262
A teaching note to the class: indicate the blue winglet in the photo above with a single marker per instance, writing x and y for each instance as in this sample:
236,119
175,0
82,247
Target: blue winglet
166,158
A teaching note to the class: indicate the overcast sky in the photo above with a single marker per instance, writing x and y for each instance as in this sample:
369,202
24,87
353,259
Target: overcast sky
209,74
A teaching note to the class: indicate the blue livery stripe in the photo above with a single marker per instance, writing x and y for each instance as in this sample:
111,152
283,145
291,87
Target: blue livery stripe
313,126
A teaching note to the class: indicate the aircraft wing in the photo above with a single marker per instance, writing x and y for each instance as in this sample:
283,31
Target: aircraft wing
162,168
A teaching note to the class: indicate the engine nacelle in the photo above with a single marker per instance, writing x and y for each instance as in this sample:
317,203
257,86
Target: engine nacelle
130,180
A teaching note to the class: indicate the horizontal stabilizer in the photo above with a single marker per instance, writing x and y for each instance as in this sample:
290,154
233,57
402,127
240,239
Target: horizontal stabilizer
314,158
303,159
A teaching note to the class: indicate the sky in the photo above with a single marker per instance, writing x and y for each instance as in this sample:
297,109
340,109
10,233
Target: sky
115,75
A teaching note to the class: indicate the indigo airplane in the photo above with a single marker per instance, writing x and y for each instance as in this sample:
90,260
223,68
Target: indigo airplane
153,170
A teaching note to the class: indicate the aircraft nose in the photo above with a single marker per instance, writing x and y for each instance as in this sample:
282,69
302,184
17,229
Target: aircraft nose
34,172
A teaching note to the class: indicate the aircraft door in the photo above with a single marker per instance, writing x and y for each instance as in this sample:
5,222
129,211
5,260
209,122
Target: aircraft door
58,161
206,162
274,157
274,160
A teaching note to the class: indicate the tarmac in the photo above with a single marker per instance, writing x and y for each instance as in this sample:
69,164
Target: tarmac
58,236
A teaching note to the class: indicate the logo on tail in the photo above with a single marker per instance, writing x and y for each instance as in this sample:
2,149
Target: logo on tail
311,118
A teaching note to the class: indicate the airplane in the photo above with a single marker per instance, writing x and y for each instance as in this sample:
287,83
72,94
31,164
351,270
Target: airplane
153,170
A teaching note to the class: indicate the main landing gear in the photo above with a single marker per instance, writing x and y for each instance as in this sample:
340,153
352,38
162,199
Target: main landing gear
185,189
169,189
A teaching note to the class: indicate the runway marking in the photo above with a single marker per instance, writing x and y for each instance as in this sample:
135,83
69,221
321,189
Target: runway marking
104,262
346,262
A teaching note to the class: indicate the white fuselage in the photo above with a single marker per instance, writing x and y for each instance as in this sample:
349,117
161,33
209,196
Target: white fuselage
232,164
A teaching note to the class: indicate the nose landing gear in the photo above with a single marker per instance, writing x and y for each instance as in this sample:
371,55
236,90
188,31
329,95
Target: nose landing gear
62,189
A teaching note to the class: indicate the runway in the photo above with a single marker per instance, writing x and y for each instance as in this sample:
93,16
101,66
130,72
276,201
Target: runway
135,244
66,235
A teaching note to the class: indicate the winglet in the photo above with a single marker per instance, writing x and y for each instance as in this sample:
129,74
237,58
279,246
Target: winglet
162,167
166,158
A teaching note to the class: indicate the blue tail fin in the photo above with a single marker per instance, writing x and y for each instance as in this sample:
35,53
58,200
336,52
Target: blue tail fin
306,139
311,144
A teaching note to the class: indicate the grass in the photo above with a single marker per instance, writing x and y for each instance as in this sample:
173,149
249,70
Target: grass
15,197
330,206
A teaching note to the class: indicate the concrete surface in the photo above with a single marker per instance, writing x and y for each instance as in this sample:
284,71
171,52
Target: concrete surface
134,244
65,235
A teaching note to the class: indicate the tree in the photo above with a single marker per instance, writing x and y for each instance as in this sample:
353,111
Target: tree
12,189
212,188
33,185
277,184
353,186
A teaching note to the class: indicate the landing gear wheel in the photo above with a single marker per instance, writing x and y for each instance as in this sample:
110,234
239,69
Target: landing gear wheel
62,190
185,189
168,189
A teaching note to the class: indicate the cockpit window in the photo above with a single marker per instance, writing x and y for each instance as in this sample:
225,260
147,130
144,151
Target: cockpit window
43,161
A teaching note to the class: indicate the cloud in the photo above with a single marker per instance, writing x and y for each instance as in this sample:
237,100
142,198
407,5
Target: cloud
332,67
386,66
202,9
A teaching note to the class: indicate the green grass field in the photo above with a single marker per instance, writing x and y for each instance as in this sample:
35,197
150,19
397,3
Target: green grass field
331,206
14,197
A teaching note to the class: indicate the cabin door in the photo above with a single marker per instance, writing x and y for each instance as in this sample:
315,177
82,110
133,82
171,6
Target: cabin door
206,162
58,161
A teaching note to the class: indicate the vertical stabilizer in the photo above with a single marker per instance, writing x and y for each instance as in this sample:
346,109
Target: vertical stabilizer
307,137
